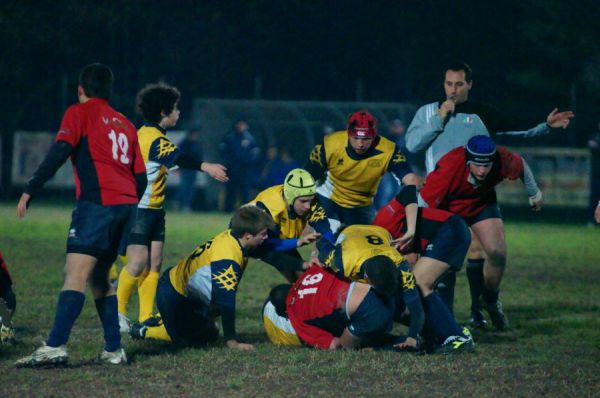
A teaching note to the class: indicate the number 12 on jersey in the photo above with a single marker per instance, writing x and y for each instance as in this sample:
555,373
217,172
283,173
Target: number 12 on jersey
119,142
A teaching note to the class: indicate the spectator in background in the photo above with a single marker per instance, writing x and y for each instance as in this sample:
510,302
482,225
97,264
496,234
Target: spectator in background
594,208
240,154
192,146
277,165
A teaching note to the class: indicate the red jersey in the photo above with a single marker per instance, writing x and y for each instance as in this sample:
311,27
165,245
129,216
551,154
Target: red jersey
106,153
392,217
448,186
316,307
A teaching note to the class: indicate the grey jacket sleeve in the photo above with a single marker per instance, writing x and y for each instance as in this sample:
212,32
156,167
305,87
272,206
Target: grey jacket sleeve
424,128
540,129
529,180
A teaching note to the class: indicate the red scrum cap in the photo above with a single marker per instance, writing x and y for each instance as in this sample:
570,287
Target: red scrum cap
362,124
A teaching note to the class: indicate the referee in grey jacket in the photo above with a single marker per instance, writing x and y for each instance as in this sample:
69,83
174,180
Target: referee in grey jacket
441,126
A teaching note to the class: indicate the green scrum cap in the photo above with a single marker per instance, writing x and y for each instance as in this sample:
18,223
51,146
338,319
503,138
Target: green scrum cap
298,182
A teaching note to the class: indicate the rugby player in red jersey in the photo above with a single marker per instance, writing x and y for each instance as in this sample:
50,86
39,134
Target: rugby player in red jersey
463,183
109,177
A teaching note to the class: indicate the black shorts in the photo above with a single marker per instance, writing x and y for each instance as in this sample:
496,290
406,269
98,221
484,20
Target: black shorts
149,226
451,243
345,215
99,231
373,316
188,322
490,211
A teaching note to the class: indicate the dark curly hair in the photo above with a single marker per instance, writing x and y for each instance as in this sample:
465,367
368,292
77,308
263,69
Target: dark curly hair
156,98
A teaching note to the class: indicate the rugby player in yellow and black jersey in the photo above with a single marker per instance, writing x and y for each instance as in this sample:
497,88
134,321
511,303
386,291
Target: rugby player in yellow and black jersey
293,207
364,253
352,163
204,285
157,103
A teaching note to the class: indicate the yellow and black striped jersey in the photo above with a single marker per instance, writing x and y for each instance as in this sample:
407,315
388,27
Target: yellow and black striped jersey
351,180
355,245
279,329
159,155
212,272
289,225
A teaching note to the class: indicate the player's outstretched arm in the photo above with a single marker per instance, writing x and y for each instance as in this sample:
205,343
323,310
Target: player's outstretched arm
558,119
215,170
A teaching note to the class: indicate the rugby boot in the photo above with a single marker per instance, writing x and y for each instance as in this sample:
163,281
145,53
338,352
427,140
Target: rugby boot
477,320
138,331
117,357
499,319
44,356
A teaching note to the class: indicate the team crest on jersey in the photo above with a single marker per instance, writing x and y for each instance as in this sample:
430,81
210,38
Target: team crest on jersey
165,147
318,214
374,163
468,119
315,155
227,279
408,279
340,162
398,158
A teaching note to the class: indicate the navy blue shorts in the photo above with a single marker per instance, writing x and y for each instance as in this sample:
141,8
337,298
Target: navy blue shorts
451,243
188,322
149,226
99,231
373,316
490,211
347,216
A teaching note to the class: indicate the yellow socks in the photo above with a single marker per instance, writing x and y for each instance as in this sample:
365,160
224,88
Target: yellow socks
127,283
147,293
158,333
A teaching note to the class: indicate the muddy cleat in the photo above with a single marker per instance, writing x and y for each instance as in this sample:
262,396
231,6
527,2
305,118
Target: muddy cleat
499,319
45,356
124,324
138,331
117,357
456,344
477,320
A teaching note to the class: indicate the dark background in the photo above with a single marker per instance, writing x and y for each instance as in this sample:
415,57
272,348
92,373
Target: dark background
528,55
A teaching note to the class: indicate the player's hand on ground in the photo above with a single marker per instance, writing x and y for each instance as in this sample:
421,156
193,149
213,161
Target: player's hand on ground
410,342
23,205
215,170
558,119
308,238
236,345
335,344
446,108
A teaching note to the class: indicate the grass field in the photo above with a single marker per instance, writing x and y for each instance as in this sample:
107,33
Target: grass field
551,294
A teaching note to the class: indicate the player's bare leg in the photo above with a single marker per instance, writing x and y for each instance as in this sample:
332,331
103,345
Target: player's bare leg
491,236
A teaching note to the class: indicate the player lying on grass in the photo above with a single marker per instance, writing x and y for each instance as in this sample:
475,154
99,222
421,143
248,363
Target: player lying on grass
365,253
294,209
158,105
463,183
204,285
326,311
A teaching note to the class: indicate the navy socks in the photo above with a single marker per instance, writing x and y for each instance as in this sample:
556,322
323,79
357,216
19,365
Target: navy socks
70,303
439,318
107,311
